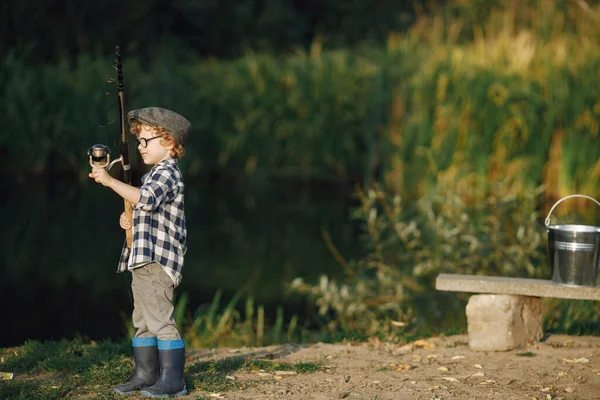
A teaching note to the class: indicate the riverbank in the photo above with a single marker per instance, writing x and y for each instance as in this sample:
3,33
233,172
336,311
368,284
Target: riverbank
560,367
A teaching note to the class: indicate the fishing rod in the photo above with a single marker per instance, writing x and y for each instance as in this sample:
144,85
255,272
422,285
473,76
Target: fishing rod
99,154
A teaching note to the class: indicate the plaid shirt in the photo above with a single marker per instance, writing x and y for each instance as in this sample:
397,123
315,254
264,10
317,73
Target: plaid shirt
159,231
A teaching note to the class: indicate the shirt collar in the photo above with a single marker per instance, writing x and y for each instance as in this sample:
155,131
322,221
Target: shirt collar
165,162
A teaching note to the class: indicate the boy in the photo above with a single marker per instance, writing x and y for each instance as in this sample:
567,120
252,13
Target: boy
156,255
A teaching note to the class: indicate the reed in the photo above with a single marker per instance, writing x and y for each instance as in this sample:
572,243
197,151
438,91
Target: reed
470,97
474,95
213,325
517,86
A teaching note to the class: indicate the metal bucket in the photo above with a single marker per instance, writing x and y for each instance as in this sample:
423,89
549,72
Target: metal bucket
573,250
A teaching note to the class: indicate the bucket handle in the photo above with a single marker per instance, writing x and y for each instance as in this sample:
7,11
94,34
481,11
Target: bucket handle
565,198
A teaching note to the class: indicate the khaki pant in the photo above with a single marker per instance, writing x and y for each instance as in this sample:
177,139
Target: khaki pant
153,303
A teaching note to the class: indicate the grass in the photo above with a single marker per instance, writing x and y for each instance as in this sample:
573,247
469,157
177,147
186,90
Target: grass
214,325
72,369
212,376
526,354
54,370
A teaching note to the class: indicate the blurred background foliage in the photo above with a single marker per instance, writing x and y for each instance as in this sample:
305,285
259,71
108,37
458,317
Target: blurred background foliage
460,123
211,28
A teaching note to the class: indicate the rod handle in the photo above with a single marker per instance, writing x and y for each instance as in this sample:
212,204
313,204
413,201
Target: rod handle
129,232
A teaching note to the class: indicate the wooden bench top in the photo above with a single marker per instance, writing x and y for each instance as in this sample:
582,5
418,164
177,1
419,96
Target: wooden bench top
514,286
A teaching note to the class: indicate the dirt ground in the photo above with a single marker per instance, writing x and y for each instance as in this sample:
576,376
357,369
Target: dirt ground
560,367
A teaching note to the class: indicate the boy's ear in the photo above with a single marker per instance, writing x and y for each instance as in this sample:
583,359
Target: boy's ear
169,144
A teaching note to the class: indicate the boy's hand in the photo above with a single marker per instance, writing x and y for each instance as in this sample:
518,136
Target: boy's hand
100,175
124,222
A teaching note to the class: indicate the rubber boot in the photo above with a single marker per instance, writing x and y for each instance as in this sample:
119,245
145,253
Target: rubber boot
171,356
145,355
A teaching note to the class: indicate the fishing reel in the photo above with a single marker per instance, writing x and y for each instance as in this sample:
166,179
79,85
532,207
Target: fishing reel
99,156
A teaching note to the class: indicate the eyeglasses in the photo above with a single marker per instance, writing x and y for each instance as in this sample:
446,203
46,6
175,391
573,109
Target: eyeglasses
144,142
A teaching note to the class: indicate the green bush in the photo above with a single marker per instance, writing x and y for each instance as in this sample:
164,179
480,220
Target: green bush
411,243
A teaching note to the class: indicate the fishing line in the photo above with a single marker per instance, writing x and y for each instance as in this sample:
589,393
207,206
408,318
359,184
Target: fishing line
110,119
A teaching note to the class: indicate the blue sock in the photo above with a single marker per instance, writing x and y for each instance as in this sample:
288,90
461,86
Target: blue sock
144,341
171,344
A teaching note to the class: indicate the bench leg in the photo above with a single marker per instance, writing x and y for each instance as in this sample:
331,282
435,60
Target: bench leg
499,322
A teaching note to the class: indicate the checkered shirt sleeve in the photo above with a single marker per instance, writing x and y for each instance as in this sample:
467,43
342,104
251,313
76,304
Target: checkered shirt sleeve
159,229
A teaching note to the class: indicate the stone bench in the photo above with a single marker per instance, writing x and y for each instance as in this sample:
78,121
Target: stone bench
509,315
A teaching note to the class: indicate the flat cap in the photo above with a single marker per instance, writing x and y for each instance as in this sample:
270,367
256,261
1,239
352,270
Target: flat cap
175,124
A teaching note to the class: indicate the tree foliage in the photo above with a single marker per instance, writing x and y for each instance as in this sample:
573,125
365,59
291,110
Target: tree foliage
218,28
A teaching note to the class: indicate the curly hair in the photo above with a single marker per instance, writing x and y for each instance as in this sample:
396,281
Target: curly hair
165,138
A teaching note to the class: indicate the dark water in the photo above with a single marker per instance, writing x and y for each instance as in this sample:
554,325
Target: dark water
61,242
